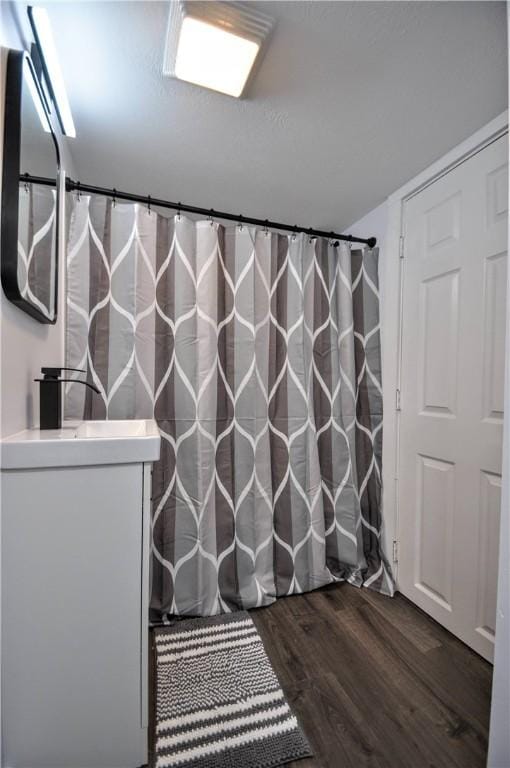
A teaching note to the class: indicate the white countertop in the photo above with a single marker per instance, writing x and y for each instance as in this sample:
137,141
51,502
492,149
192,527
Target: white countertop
82,443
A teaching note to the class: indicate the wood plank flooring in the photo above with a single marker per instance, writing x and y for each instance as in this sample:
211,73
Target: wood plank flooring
376,682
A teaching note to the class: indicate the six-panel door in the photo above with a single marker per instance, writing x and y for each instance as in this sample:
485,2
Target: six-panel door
455,264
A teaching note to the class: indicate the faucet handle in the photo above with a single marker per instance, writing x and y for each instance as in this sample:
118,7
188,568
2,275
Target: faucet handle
54,373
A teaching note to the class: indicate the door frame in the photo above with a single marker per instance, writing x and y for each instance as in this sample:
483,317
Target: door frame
392,288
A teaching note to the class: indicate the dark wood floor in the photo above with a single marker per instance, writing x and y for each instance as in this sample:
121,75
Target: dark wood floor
375,682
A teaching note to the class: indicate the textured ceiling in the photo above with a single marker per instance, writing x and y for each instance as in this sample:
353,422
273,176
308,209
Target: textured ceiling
351,100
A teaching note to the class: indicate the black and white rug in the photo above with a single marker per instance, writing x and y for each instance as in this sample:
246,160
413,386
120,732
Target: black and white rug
218,701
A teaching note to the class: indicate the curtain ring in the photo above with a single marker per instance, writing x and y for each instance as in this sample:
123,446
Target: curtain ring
78,191
311,237
266,227
240,223
149,204
294,234
211,214
179,211
114,200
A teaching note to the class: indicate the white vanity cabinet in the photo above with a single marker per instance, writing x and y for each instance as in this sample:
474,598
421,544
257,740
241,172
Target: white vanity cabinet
75,590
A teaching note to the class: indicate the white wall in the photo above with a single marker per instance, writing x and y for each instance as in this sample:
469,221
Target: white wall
499,737
374,224
25,344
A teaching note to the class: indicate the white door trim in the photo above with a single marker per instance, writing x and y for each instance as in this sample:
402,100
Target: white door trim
392,279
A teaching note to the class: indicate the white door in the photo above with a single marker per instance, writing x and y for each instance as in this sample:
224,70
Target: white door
455,243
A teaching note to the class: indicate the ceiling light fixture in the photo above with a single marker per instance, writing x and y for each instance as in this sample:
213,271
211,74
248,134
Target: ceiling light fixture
214,44
41,28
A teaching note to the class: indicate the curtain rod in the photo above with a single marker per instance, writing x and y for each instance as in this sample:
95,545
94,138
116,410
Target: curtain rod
115,194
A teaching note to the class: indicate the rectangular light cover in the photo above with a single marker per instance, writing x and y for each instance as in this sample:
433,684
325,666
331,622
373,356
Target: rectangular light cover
214,58
40,22
214,44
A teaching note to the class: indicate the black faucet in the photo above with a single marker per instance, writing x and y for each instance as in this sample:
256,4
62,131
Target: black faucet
50,408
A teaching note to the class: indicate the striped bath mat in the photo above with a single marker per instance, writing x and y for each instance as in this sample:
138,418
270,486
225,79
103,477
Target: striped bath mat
218,701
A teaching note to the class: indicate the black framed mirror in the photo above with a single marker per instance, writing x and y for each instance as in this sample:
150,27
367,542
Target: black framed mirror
30,194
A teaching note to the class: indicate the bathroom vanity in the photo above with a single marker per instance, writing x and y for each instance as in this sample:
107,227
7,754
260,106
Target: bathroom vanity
75,591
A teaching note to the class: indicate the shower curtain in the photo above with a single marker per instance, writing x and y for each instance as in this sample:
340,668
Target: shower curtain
259,356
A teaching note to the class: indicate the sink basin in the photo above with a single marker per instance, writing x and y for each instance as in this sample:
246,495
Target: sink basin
120,428
83,443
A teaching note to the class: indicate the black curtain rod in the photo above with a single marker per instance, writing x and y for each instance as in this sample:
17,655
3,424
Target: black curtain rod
76,186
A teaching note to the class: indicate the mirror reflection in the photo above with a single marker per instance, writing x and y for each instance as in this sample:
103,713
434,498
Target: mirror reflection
37,203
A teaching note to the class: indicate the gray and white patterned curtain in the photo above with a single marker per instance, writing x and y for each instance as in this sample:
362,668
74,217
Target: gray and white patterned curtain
259,356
